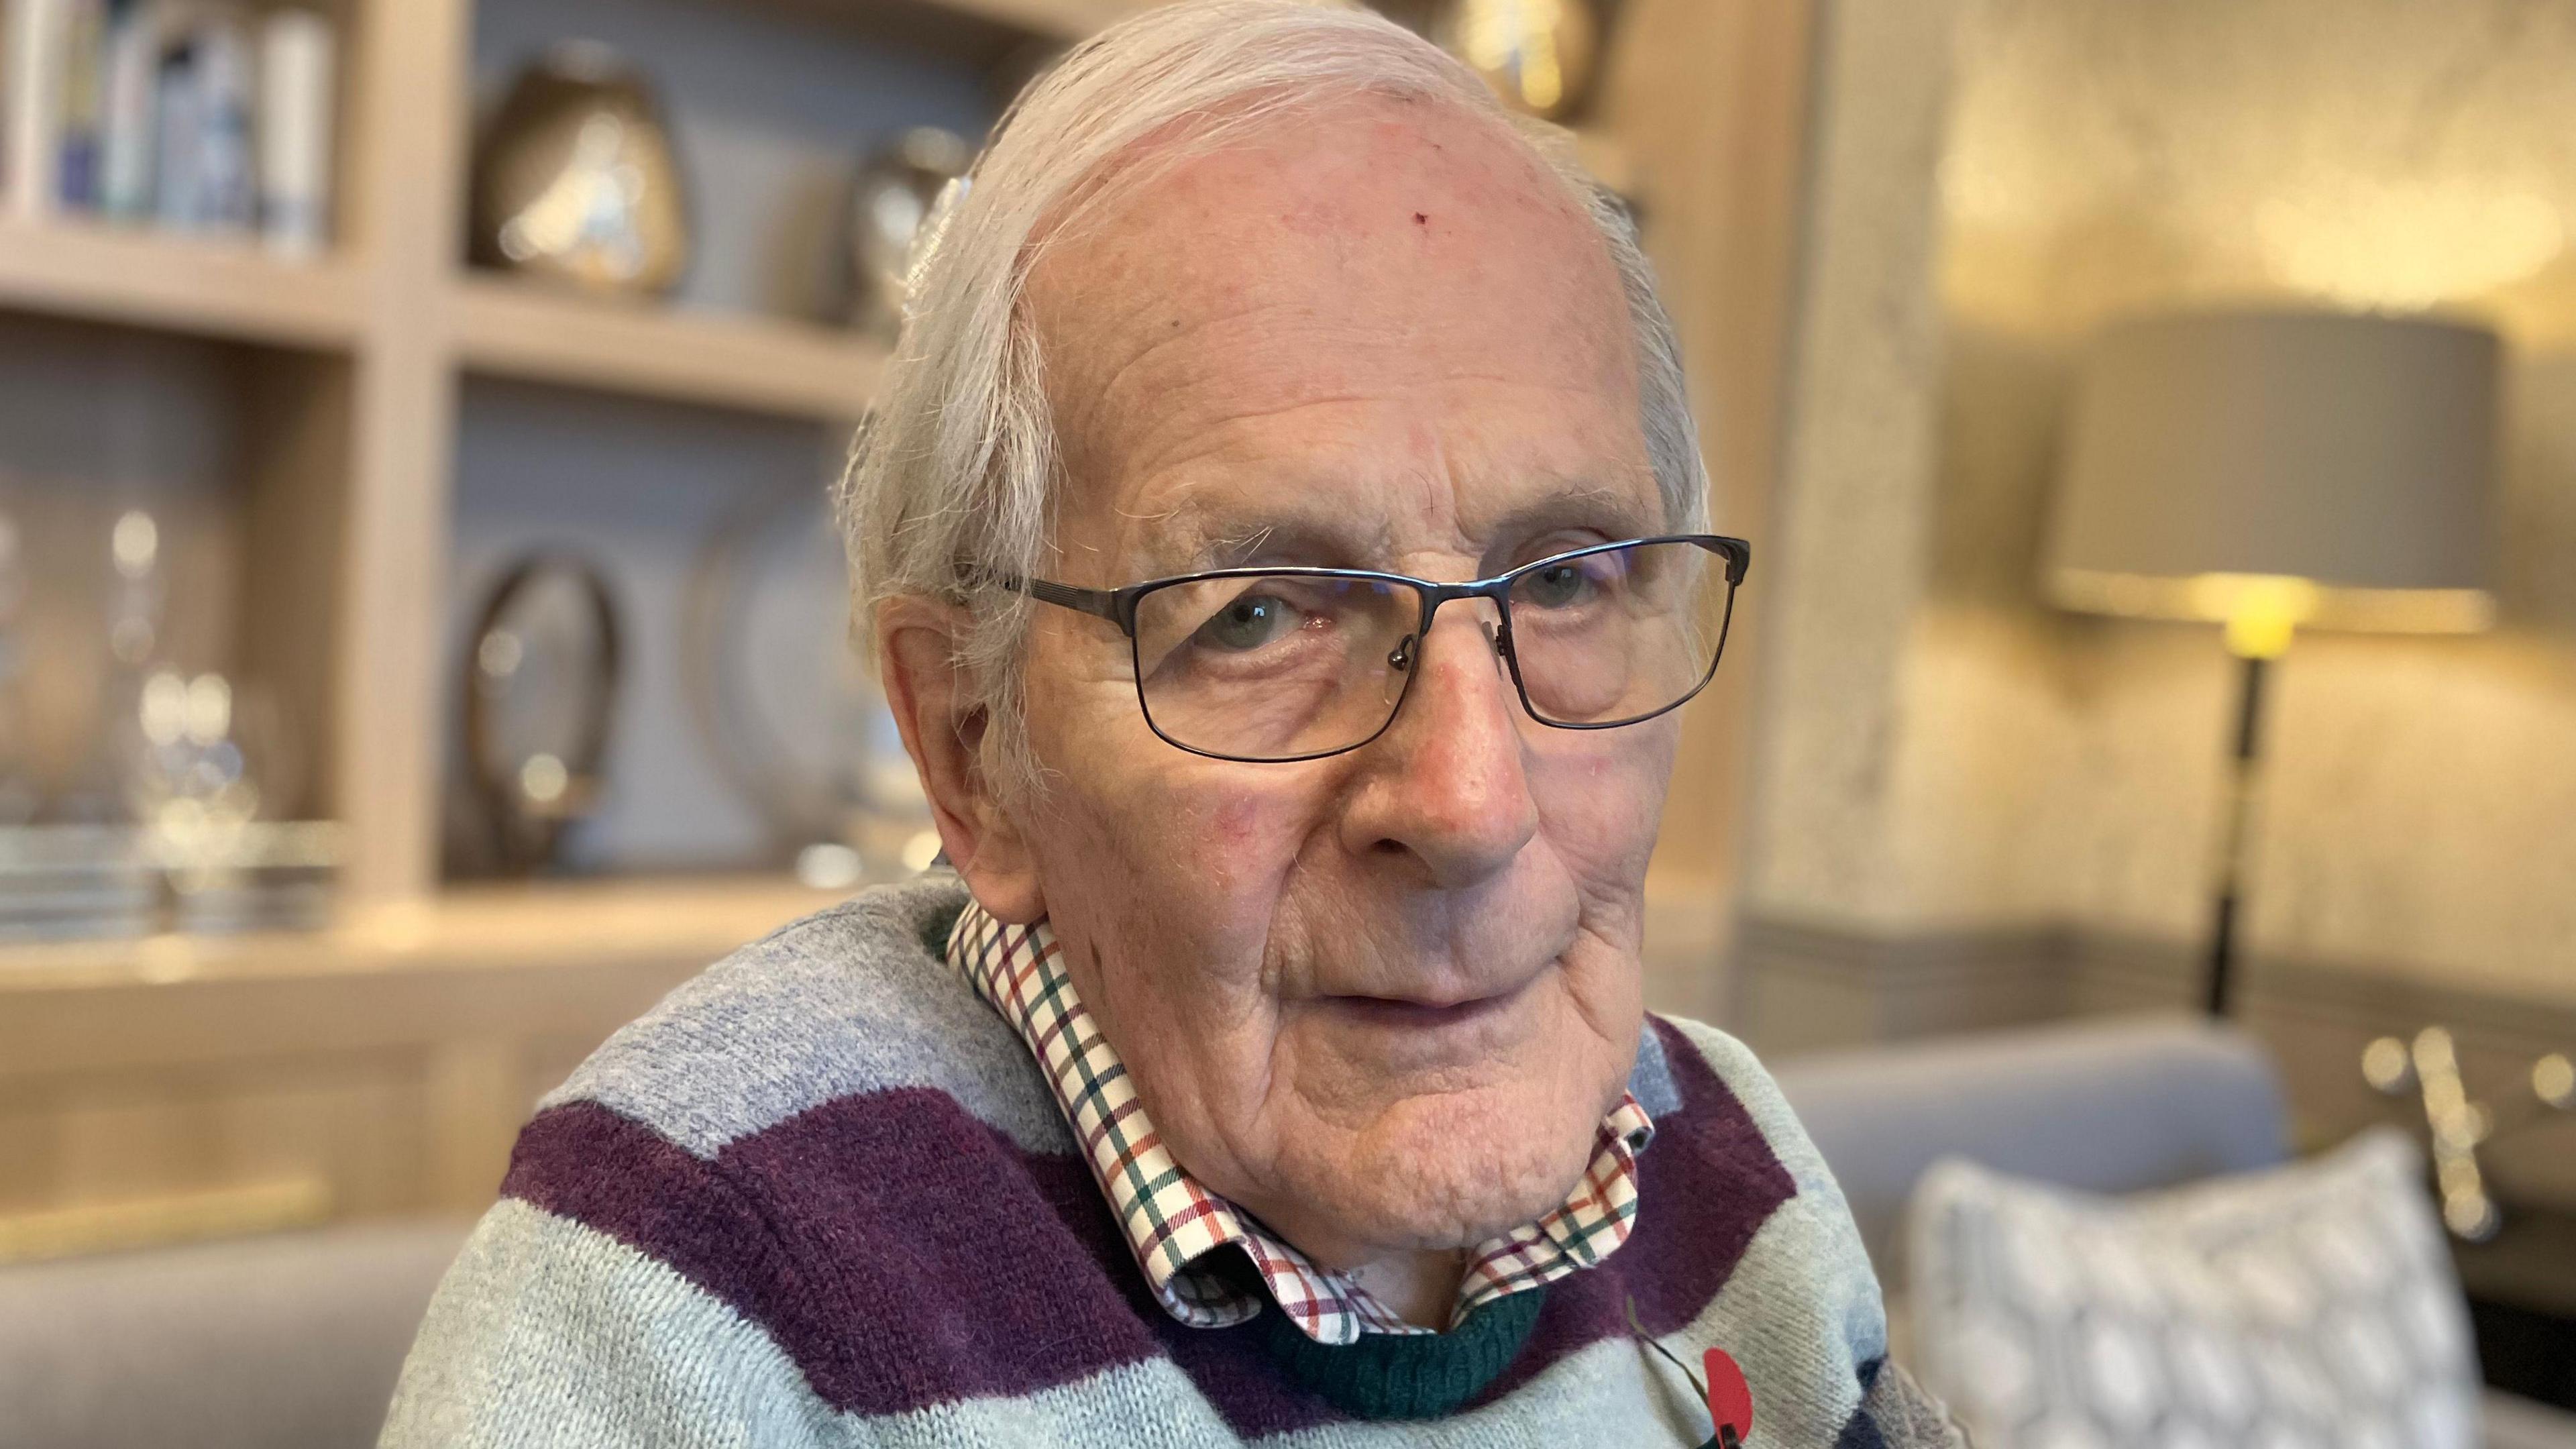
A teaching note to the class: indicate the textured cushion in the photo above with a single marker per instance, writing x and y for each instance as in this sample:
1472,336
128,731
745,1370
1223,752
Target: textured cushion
2112,1106
2311,1305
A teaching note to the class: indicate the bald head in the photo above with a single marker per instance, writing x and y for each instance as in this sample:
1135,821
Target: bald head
1393,289
957,478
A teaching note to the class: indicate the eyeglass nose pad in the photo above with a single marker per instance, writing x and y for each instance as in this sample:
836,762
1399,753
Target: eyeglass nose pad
1400,658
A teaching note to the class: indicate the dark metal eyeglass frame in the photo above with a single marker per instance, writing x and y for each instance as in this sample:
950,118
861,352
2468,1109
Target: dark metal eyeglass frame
1118,606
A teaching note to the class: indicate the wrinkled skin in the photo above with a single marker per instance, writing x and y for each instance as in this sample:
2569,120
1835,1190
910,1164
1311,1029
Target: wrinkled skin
1381,1000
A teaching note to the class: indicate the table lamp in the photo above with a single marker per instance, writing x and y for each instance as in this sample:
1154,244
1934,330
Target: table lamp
2272,471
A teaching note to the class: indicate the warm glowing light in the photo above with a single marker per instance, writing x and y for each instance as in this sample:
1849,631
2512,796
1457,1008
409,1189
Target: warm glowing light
2384,1065
2471,1215
136,542
543,779
2374,243
2262,611
1526,46
161,708
2553,1080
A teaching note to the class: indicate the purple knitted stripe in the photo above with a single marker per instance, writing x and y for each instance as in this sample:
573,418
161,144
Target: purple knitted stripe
949,1276
934,1260
1703,1190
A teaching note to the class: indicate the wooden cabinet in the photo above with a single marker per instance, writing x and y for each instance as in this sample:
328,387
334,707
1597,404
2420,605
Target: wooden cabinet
164,1086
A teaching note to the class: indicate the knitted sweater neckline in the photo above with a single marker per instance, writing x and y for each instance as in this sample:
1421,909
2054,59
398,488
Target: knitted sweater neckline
1408,1375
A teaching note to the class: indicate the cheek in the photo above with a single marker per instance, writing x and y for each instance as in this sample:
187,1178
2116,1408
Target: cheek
1201,846
1240,835
1601,797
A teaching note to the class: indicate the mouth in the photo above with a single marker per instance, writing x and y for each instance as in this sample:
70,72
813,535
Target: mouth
1423,1015
1401,1014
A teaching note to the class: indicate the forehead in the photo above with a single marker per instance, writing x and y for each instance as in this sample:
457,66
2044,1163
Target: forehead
1385,320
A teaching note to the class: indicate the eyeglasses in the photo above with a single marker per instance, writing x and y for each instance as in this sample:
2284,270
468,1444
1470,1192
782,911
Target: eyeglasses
1276,665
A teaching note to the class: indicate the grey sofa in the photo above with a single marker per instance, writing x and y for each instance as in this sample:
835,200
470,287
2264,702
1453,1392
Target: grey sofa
2114,1106
285,1342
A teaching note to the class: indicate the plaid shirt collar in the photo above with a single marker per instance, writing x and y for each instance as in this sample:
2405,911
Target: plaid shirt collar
1173,1223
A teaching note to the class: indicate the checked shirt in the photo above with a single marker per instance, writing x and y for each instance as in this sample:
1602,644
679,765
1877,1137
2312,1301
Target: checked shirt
1172,1223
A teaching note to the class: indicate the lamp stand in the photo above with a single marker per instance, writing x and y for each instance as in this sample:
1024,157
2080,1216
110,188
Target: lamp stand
2244,787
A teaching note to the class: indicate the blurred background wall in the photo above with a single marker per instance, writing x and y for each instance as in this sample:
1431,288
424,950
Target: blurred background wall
1970,807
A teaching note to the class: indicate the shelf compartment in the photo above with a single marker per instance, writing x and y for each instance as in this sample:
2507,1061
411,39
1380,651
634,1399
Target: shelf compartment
677,922
755,364
1063,19
156,280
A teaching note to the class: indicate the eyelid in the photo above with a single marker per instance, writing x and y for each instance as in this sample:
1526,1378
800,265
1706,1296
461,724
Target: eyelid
1561,540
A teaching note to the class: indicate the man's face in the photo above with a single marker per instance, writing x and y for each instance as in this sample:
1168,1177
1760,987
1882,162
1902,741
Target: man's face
1383,999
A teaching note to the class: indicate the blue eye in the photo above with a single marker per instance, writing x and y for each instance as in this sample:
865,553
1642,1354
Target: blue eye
1557,586
1247,623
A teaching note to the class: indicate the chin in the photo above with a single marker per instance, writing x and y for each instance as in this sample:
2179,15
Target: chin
1456,1170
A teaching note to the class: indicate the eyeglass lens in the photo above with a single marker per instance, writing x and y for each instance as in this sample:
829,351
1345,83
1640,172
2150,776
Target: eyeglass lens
1283,666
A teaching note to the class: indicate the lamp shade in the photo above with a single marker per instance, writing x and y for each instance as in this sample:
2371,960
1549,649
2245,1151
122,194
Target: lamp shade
2333,469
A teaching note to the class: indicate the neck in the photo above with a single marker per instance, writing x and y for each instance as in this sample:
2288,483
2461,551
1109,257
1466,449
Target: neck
1421,1287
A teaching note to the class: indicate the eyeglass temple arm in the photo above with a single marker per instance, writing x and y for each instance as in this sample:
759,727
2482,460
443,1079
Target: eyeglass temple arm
1739,558
1100,602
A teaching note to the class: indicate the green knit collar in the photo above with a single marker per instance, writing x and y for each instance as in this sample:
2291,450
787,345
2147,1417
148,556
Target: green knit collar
1407,1375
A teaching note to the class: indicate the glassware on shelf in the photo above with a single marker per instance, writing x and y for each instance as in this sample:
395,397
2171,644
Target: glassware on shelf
576,181
136,600
188,780
19,794
173,821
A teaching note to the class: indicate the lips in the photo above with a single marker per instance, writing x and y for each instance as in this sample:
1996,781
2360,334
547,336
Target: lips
1398,1013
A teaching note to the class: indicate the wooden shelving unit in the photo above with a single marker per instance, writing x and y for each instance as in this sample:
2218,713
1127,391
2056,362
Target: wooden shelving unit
478,928
757,364
373,442
385,1039
1063,19
147,279
395,298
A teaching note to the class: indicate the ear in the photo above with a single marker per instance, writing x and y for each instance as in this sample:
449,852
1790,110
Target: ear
919,646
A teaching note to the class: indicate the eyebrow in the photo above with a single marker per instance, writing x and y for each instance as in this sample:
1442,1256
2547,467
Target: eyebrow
1198,536
1582,505
1201,534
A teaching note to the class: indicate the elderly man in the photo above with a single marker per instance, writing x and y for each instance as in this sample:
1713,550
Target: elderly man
1281,538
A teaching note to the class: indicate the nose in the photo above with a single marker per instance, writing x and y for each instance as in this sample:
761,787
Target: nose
1446,784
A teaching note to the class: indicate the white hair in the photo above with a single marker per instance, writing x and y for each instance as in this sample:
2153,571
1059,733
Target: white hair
951,480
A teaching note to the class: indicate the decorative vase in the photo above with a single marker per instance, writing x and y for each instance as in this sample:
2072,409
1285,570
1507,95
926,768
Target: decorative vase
575,179
539,698
897,191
